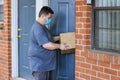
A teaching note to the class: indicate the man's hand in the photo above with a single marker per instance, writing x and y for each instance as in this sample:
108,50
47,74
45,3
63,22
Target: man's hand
56,38
53,46
64,46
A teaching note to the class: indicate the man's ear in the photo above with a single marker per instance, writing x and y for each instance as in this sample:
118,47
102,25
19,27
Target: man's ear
42,16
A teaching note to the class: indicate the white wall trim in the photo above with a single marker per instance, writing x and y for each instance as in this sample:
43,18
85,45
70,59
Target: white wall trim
14,40
39,4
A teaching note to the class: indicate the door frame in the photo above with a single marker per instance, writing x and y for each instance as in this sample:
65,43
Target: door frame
14,32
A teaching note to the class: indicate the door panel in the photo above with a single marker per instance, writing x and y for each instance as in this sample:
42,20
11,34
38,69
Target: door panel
63,21
25,19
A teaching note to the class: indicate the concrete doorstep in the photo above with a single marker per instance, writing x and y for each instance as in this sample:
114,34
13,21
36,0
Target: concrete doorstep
19,79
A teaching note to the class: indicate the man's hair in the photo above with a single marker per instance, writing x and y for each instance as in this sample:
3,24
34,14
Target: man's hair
45,10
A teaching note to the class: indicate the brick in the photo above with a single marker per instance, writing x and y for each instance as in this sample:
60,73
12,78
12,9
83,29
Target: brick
119,60
105,64
79,14
92,56
87,14
100,57
77,31
115,66
77,19
115,78
7,2
78,25
104,76
85,65
94,78
78,36
110,71
77,8
80,3
85,20
107,58
118,73
85,31
81,59
84,76
76,78
86,42
87,25
86,36
79,47
77,63
77,53
91,72
80,69
97,68
77,74
85,8
91,61
78,42
87,47
115,60
85,54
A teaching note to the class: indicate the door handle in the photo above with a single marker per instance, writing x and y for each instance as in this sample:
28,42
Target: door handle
19,29
19,36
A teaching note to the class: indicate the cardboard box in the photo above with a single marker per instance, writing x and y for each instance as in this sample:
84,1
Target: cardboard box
68,38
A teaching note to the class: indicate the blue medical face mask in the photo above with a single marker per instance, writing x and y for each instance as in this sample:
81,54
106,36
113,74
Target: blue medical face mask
48,22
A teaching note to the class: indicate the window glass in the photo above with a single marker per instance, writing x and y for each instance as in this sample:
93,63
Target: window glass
107,28
107,3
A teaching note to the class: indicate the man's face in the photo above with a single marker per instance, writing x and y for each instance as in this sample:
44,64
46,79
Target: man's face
47,19
49,16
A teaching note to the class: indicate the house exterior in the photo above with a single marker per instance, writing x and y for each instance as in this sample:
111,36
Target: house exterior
96,24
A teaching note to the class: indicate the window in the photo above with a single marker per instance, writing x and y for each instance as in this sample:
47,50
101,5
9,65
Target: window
1,10
106,25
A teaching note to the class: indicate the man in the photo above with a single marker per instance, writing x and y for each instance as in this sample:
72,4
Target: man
42,49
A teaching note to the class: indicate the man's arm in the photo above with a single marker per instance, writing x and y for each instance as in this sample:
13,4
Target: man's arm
56,38
53,46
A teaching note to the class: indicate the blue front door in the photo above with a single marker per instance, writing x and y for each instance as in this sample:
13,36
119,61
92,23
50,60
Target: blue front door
26,17
64,21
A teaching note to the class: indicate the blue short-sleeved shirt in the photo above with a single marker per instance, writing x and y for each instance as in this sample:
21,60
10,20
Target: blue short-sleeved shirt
41,59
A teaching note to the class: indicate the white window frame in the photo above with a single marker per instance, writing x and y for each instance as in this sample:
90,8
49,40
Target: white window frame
1,4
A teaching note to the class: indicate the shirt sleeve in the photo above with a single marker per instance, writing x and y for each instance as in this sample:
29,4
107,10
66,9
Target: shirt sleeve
41,36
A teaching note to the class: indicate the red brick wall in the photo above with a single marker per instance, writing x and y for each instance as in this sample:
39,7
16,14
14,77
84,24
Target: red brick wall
5,44
91,64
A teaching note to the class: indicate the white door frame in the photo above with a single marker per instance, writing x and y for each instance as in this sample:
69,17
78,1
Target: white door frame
14,32
14,40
